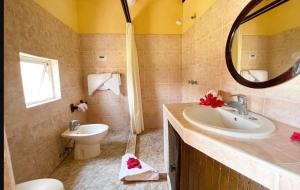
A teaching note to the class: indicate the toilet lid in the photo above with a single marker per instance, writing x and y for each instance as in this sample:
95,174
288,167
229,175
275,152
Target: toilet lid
41,184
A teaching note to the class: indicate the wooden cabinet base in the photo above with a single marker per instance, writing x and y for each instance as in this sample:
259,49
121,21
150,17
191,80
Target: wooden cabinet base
193,170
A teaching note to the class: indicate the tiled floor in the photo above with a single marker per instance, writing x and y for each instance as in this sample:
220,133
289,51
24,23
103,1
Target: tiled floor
102,172
150,148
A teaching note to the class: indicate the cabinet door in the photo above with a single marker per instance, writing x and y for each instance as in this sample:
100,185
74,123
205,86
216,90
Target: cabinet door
174,158
200,172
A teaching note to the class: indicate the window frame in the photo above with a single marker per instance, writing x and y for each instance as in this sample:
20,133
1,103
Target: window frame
53,72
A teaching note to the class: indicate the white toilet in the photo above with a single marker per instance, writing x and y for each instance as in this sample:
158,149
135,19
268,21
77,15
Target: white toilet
41,184
87,140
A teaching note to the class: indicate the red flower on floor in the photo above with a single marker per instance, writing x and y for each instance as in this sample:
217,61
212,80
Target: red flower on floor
211,100
133,163
295,136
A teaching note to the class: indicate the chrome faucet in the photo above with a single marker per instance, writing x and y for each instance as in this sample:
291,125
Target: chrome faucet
240,105
73,124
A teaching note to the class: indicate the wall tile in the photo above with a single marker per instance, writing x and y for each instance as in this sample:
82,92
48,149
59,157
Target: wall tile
209,35
160,70
34,134
104,106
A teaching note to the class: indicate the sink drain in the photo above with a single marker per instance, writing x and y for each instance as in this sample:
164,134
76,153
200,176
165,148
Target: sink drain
253,118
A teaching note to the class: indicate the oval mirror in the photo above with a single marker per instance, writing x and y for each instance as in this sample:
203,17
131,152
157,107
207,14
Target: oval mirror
263,46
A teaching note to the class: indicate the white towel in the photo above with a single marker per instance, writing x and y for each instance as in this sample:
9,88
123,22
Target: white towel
255,75
97,80
112,84
146,173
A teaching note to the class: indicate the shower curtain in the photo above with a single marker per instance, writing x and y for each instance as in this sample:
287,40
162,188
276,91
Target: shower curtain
133,83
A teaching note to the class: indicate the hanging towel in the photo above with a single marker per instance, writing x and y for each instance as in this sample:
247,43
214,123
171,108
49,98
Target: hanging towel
112,84
255,75
97,80
144,173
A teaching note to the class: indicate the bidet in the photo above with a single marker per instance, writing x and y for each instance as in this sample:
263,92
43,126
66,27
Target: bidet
87,139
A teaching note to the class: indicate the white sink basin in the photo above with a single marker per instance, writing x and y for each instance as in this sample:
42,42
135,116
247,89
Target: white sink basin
227,121
87,139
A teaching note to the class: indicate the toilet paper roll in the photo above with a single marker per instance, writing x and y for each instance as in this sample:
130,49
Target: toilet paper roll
85,106
82,107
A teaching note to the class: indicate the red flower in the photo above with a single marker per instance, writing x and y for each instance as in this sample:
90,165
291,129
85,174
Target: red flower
133,163
295,136
202,101
211,100
209,96
217,103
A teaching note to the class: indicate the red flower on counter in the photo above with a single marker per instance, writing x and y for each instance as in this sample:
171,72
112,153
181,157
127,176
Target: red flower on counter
211,100
295,136
133,163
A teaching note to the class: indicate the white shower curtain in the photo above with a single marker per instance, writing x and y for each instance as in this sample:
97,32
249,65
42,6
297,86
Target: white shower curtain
133,83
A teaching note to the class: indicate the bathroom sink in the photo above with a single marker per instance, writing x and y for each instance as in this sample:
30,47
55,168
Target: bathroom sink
227,121
87,139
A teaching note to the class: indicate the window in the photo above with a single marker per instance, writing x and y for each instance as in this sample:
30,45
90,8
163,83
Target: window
40,79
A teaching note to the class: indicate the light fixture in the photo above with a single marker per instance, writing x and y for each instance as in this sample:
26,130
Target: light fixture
180,21
131,2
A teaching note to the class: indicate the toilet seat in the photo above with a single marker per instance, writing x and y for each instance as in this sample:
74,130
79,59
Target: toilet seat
41,184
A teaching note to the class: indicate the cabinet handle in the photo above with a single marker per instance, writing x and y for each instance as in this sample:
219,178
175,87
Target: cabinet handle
172,167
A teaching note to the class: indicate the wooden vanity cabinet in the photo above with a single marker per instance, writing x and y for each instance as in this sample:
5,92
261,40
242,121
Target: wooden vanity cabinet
190,169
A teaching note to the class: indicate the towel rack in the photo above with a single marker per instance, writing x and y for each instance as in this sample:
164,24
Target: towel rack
109,72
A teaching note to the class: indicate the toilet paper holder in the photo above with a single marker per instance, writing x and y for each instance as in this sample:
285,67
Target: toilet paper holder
74,107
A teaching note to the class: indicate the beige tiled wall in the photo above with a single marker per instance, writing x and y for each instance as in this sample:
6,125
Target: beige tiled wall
9,180
160,74
203,59
105,106
258,45
274,53
34,134
282,47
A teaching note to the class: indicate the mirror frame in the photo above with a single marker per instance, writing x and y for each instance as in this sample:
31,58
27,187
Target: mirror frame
287,75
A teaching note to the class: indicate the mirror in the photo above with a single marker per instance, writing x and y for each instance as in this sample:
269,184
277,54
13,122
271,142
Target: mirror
263,47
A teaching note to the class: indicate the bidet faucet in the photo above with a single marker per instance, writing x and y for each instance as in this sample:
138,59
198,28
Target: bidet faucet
73,124
240,105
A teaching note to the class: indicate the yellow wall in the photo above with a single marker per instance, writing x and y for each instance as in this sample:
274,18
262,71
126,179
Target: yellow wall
64,10
194,6
100,16
106,16
148,16
282,18
156,16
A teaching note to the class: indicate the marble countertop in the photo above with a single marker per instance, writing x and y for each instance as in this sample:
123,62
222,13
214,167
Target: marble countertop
273,162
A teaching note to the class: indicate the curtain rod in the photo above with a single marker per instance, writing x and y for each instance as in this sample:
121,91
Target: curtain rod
126,10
